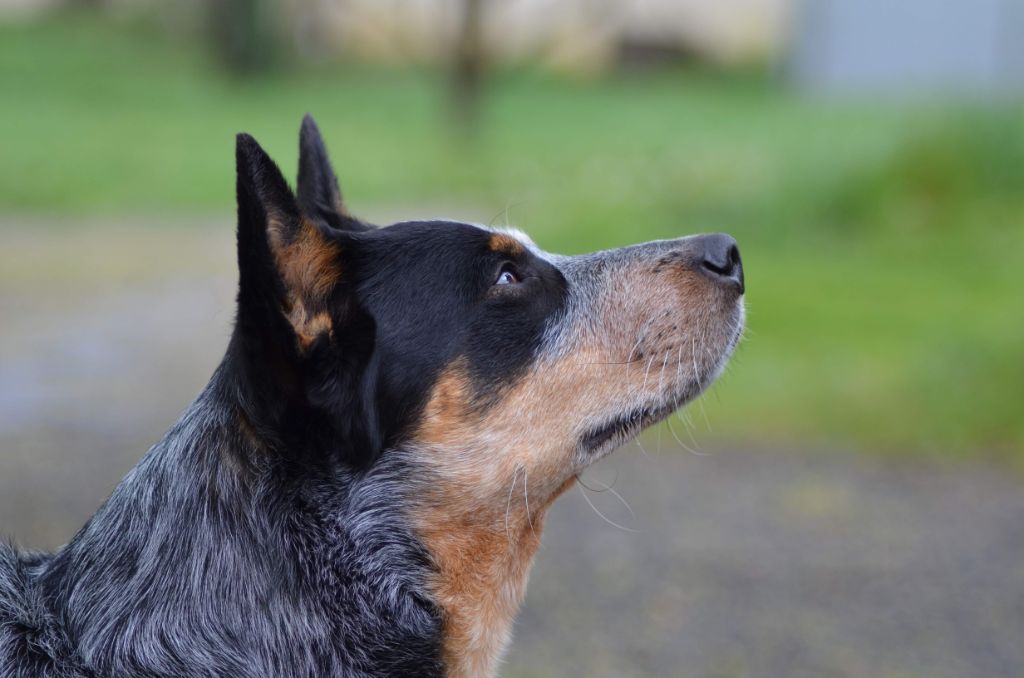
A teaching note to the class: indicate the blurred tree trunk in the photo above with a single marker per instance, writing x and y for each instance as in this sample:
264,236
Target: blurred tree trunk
241,35
467,67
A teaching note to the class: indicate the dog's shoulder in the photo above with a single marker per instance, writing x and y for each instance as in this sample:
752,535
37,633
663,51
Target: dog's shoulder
31,640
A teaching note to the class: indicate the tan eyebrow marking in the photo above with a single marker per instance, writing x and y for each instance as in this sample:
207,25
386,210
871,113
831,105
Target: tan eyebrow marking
504,243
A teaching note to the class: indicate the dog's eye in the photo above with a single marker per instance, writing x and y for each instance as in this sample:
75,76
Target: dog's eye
507,277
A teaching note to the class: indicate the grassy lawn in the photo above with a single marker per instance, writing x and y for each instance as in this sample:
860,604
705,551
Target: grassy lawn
883,243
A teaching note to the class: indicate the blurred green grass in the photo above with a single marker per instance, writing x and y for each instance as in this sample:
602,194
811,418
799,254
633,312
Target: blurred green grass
882,242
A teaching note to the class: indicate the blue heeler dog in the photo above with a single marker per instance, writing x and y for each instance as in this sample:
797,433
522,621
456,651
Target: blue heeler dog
360,489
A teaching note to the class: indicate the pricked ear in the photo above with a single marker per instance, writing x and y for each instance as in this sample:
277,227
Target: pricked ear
318,185
303,343
283,259
319,194
263,197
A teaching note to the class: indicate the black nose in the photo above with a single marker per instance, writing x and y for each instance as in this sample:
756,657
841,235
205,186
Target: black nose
721,259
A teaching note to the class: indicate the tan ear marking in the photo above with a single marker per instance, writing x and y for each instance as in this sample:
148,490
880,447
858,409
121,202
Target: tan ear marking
308,329
308,265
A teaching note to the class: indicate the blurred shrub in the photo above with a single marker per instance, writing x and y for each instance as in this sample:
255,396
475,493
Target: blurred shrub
971,162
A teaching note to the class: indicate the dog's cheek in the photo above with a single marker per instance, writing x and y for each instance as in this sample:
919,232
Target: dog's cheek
647,329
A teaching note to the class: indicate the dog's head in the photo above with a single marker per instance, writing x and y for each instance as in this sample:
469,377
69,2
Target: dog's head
498,370
468,343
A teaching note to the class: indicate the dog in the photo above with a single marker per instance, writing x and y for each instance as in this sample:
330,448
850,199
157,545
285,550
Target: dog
361,487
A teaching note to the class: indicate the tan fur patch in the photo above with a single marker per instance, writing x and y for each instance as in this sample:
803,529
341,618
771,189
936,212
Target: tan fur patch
502,242
309,329
308,264
481,583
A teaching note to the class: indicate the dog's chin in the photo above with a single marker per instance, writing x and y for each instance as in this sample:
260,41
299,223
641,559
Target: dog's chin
604,438
619,430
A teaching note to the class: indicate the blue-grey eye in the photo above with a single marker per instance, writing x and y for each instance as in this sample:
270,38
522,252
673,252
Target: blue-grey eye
506,277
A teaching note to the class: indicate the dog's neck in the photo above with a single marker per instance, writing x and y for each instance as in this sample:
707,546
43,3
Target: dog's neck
269,555
482,556
479,583
205,552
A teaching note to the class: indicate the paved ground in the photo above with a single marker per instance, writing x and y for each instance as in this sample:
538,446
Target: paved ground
742,562
760,563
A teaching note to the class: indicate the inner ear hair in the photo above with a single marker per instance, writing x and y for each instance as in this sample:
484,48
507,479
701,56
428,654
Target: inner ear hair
309,263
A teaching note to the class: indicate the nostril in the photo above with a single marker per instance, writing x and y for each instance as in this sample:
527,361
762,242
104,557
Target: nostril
721,259
720,267
734,260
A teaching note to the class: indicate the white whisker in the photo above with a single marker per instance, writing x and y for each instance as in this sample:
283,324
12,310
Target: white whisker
647,373
686,447
508,504
603,516
526,497
641,446
609,488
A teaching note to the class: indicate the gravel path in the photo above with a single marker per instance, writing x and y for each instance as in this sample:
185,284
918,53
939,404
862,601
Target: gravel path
743,562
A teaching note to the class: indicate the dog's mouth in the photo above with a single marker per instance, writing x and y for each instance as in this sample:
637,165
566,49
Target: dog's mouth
608,435
623,428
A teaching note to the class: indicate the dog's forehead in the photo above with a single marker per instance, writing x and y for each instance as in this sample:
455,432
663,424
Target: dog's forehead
499,239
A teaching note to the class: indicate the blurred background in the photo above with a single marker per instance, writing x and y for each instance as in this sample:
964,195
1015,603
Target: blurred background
847,501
